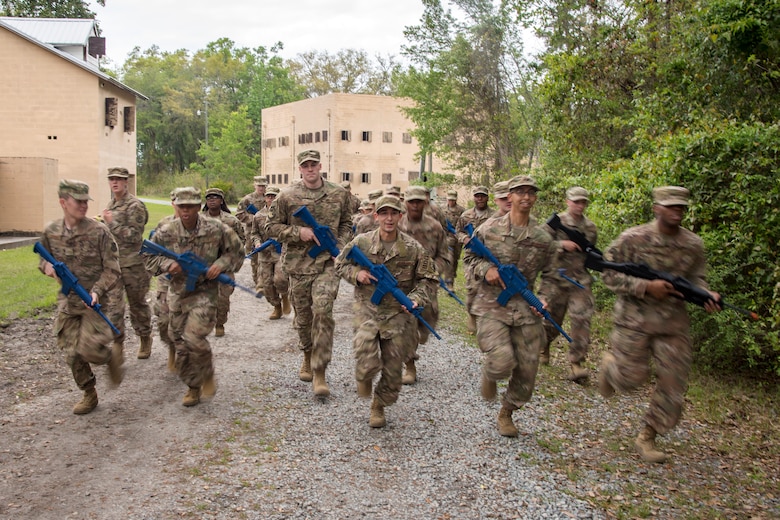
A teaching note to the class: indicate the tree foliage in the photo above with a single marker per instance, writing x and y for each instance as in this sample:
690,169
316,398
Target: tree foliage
348,71
48,9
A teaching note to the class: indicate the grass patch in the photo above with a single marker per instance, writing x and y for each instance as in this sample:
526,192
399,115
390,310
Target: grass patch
26,291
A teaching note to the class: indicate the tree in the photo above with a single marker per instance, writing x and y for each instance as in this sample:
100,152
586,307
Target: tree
48,9
348,71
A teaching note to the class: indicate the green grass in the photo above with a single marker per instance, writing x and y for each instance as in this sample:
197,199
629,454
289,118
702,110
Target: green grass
26,291
156,212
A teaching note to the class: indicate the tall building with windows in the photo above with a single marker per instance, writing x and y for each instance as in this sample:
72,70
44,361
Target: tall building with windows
363,139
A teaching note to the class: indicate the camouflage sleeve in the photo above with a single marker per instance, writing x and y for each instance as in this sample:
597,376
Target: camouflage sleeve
277,224
478,265
345,267
620,251
345,221
241,213
130,229
238,227
157,264
551,282
427,279
460,230
231,256
256,232
444,257
109,254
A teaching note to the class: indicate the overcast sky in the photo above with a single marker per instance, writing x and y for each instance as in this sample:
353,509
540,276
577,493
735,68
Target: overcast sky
375,26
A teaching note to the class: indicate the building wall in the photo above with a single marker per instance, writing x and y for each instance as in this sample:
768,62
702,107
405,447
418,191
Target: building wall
26,183
50,108
382,153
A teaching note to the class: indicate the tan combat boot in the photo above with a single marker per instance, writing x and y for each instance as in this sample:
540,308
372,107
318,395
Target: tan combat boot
209,387
305,373
410,376
488,389
605,388
277,313
219,331
171,359
645,445
88,402
377,417
577,372
320,385
506,427
544,355
471,328
116,370
286,307
145,350
192,397
364,388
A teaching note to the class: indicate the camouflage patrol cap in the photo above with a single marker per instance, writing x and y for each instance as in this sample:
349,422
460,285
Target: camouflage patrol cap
388,201
215,191
416,193
479,190
346,185
272,190
452,195
374,194
393,190
501,190
188,195
365,204
174,191
261,181
671,196
308,155
522,180
75,189
577,193
119,172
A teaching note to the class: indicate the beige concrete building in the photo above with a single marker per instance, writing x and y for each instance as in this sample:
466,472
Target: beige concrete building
362,139
60,118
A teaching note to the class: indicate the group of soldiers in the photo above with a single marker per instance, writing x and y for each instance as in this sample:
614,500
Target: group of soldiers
396,249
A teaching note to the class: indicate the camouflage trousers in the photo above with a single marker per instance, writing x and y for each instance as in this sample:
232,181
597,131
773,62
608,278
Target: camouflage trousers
383,348
312,298
579,303
193,317
511,352
431,315
257,270
630,368
223,300
162,311
135,283
455,248
84,338
275,282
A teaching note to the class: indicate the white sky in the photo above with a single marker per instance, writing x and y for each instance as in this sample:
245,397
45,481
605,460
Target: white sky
375,26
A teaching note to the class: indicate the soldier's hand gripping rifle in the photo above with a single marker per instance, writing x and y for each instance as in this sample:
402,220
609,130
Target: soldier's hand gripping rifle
450,292
192,265
71,283
386,283
450,228
593,257
252,209
262,247
327,242
514,281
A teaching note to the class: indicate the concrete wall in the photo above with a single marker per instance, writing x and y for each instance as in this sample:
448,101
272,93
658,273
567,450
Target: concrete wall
29,194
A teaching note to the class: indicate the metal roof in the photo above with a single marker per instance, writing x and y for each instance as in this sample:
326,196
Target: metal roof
64,55
55,31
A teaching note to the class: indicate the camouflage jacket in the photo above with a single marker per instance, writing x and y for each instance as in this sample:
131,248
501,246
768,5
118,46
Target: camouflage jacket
680,255
329,204
91,254
354,203
257,236
435,211
232,222
574,261
127,227
429,233
453,214
531,249
406,260
470,216
365,224
242,214
211,240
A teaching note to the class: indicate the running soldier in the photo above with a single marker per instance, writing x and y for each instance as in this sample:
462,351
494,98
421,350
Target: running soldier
452,213
255,199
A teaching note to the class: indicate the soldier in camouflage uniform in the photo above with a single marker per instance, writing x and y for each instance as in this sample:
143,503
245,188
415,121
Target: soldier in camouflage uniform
452,213
475,216
366,208
579,302
501,197
194,313
215,207
651,319
126,217
384,333
275,281
429,233
256,199
367,222
161,308
87,248
313,281
511,336
354,200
